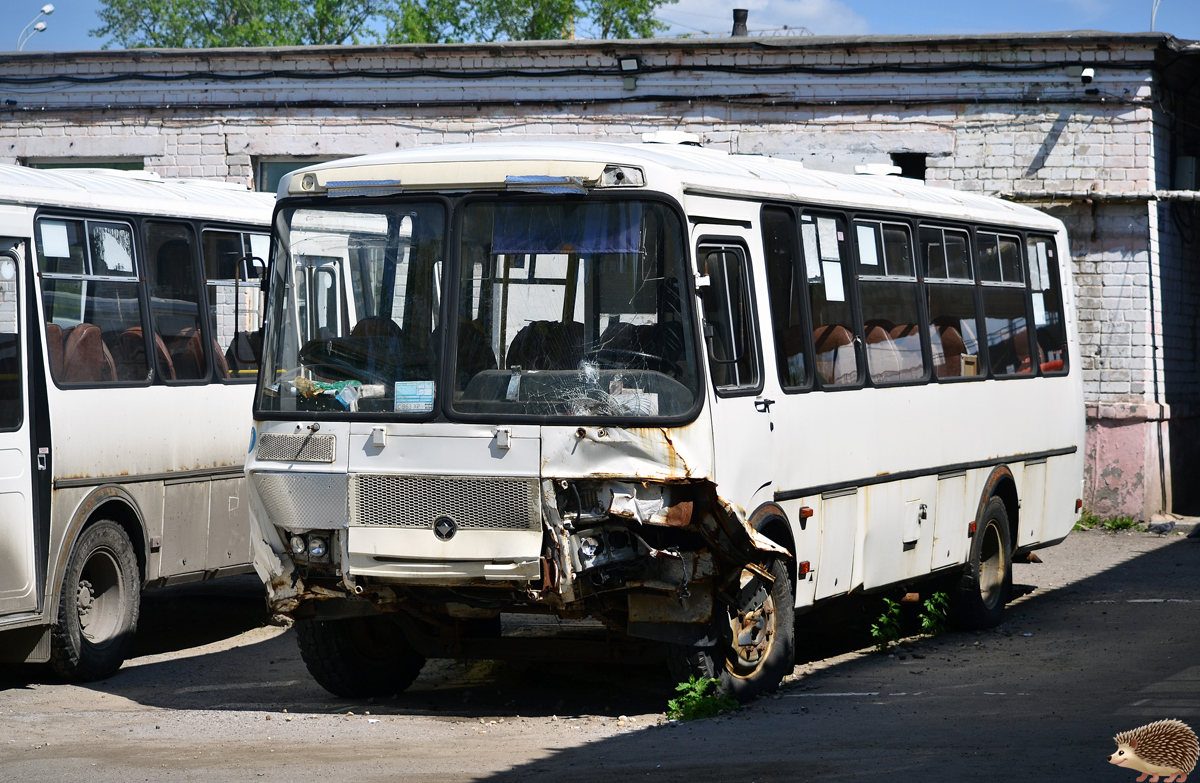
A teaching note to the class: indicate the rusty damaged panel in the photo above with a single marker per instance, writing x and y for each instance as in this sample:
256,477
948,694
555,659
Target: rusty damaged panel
649,453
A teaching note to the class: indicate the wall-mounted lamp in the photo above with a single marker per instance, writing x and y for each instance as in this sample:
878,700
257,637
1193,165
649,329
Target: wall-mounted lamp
629,67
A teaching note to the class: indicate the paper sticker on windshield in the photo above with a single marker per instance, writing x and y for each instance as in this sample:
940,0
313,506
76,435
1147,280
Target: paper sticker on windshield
414,396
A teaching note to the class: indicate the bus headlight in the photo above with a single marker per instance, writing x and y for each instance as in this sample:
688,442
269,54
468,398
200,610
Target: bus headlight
299,545
317,546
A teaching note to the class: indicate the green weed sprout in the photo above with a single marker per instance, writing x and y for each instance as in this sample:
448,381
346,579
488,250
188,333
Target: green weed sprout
697,701
886,629
933,614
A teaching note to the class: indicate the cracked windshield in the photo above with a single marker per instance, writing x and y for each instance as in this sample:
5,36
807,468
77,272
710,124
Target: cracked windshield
564,309
573,309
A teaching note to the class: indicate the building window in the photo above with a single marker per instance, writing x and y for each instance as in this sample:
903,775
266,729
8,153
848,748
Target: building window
119,164
912,164
267,173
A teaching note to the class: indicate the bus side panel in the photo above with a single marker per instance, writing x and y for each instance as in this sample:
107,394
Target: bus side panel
1033,504
899,530
228,524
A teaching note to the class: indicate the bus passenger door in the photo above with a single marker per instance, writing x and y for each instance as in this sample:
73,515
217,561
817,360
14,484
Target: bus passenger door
19,547
741,414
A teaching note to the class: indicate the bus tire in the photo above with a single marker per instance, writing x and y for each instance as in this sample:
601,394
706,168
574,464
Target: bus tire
767,655
977,602
98,605
359,656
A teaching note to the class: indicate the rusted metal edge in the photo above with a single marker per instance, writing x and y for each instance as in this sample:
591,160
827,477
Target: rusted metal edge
793,494
193,474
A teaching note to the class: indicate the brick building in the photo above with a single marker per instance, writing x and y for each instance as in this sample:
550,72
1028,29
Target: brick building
1100,129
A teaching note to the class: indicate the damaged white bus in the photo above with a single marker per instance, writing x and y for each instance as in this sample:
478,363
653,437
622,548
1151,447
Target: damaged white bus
680,392
129,309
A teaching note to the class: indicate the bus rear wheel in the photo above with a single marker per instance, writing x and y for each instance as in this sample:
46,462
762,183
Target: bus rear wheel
978,600
358,657
756,649
97,606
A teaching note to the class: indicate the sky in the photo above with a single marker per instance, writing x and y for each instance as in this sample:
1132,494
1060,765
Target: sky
68,27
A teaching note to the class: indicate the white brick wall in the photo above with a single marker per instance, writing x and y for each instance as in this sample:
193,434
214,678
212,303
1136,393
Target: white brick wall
1026,133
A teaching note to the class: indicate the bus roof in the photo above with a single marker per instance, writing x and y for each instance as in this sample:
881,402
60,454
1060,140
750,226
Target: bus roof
133,192
695,170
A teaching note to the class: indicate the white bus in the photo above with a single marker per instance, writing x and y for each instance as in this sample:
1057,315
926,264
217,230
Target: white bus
129,314
680,392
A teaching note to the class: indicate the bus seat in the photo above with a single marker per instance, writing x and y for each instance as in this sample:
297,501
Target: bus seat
239,356
377,326
54,348
219,360
475,354
883,359
836,362
187,355
86,358
130,352
951,345
547,345
1021,346
907,338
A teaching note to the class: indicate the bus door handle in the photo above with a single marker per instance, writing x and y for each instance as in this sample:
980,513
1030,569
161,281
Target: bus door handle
43,453
763,405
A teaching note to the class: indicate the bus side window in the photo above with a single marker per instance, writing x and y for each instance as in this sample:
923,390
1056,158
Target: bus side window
235,300
94,328
887,290
950,286
729,318
11,407
1004,313
782,251
825,265
174,302
1049,325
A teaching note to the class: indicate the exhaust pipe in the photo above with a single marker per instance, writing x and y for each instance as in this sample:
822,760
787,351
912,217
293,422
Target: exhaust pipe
739,22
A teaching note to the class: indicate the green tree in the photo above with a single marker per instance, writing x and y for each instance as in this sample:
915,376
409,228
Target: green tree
445,21
212,23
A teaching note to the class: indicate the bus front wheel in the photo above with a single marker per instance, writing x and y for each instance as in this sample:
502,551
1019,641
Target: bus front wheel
358,657
755,652
97,606
986,584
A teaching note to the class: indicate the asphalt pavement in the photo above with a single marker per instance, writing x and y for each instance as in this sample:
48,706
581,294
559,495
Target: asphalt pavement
1104,637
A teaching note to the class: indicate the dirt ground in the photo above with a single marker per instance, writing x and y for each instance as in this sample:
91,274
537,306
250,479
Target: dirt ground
1105,636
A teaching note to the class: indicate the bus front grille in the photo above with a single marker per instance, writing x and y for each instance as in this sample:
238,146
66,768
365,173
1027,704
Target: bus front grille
302,501
417,501
295,448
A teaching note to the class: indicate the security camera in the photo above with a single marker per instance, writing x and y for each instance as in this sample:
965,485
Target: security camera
1087,75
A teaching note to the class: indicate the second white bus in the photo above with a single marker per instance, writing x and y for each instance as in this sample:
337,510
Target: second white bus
681,392
129,316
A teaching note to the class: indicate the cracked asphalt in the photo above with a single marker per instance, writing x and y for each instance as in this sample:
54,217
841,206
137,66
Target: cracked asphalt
1105,636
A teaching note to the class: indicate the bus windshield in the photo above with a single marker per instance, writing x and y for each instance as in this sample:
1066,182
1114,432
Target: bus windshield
354,309
571,308
565,309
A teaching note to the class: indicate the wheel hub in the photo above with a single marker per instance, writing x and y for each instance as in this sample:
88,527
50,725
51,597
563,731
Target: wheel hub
752,636
84,601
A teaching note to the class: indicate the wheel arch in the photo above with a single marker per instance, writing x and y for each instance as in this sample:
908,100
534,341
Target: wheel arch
1001,484
106,502
771,520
